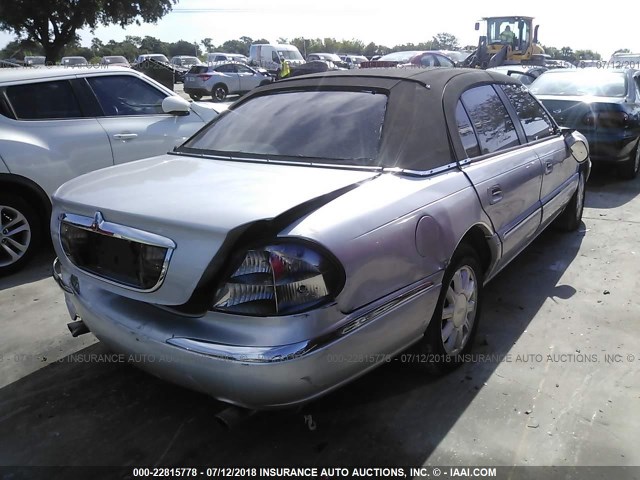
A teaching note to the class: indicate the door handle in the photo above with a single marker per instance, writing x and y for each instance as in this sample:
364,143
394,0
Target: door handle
125,136
548,168
495,194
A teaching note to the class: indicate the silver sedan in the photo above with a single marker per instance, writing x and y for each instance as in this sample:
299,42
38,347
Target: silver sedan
316,229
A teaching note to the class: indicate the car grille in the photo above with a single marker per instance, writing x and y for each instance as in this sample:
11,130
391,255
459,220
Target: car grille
122,255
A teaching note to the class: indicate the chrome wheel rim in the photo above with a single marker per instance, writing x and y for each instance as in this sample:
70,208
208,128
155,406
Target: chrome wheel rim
580,197
636,165
15,235
459,310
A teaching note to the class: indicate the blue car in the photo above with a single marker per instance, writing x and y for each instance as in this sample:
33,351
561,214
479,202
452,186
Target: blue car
603,105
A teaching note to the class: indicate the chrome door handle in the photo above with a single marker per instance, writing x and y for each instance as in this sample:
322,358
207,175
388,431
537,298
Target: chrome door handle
495,194
125,136
548,168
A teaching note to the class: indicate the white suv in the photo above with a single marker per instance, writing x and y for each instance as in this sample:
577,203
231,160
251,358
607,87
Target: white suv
59,123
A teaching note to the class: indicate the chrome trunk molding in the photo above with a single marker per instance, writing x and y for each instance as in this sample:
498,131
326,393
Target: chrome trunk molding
97,224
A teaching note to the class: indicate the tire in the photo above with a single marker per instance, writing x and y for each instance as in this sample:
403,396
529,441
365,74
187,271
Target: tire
219,93
629,169
571,217
20,233
456,316
195,97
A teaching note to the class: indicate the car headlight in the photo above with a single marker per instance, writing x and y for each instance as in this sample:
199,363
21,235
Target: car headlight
280,279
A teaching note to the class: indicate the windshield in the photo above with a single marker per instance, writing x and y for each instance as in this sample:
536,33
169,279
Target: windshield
115,60
399,56
159,58
329,56
290,54
74,61
188,61
342,127
34,60
581,83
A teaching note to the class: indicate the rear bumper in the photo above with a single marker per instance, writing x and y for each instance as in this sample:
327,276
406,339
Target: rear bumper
258,377
607,148
196,91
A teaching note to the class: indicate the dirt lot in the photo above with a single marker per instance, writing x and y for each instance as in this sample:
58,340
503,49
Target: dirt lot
564,318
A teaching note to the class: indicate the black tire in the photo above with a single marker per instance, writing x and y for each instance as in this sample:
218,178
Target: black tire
219,93
11,208
431,353
195,97
629,169
571,217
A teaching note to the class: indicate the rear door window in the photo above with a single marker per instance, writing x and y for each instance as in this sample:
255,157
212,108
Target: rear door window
534,119
491,121
44,100
467,135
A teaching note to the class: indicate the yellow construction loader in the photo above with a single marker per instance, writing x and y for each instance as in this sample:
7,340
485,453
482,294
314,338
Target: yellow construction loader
508,41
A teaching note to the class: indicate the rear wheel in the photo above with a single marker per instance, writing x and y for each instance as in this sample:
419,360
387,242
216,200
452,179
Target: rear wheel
570,219
219,93
20,233
455,321
629,169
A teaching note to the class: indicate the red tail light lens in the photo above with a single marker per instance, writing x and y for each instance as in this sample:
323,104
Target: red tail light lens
204,76
279,279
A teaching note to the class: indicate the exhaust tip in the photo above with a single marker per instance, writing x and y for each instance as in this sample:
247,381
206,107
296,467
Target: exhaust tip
233,415
78,328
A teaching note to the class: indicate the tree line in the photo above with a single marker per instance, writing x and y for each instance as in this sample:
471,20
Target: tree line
132,46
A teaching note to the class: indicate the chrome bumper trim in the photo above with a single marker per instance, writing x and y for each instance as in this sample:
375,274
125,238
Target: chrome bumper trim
57,276
351,323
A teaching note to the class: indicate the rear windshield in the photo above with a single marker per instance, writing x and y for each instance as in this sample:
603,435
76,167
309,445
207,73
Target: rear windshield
581,83
199,69
334,126
399,56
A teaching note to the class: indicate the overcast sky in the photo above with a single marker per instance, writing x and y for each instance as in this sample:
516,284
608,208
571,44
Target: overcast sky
598,26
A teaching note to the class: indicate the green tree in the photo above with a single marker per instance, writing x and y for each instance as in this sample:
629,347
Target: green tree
54,23
445,41
587,55
182,47
622,50
208,45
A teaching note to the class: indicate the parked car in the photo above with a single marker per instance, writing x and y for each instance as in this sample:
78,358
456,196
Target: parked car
624,60
327,57
182,65
410,58
221,80
604,105
34,60
353,61
526,74
217,57
58,123
244,265
271,56
458,56
114,61
158,57
73,61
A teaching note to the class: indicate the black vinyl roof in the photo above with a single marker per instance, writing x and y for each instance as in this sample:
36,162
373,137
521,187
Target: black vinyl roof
420,131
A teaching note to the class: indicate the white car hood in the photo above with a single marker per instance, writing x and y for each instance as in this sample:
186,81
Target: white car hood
194,202
207,111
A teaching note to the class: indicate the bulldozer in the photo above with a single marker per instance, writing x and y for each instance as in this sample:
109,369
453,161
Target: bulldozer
508,41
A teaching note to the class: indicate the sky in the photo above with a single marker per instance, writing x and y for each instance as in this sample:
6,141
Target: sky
596,26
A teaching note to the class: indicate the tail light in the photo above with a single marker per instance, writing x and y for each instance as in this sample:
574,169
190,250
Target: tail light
607,119
204,76
280,279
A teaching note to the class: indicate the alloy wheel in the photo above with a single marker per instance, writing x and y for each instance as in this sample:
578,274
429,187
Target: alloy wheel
15,235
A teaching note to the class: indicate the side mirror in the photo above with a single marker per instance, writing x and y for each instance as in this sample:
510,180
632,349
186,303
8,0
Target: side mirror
175,105
477,25
579,151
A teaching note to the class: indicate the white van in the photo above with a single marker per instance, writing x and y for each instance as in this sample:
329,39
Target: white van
270,56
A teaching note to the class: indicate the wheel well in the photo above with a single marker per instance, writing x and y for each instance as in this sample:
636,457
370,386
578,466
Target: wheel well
31,193
476,238
220,84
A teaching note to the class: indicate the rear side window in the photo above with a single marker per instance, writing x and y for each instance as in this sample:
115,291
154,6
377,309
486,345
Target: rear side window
491,121
124,95
45,100
226,69
334,126
444,61
467,135
534,119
